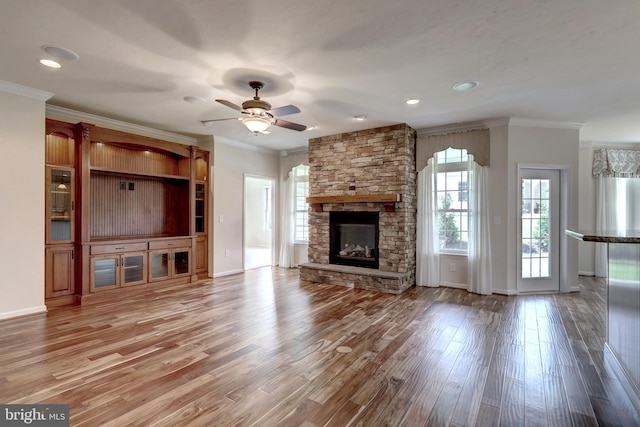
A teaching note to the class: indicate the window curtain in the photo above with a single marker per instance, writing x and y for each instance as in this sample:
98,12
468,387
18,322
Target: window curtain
287,244
427,240
288,161
479,271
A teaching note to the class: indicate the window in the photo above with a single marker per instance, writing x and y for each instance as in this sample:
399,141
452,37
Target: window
451,187
300,205
266,225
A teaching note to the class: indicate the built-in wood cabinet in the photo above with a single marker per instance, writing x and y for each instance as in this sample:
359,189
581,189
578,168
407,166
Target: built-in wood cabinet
60,213
131,211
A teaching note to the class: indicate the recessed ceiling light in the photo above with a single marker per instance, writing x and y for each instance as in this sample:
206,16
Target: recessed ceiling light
413,101
50,63
360,117
195,99
465,85
61,53
311,127
266,132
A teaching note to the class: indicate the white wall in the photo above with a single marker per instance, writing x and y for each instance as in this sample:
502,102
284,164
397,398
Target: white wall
533,145
230,164
22,178
500,237
513,144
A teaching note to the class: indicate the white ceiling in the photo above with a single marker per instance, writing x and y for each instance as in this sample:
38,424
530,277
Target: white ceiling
569,61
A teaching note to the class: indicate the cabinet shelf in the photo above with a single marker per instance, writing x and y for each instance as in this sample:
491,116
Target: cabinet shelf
109,171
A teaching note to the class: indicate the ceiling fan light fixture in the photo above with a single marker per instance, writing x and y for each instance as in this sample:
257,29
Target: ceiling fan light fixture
256,124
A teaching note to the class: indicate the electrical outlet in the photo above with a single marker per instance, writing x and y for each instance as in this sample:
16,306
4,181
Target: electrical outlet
227,253
220,218
452,266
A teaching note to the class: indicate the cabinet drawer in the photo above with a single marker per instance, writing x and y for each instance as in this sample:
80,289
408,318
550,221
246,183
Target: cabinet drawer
123,247
170,244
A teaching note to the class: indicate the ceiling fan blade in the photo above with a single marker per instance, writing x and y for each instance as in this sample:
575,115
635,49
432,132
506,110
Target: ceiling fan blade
210,122
284,111
289,125
229,104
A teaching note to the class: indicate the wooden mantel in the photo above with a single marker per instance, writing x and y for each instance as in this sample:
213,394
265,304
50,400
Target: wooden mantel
389,200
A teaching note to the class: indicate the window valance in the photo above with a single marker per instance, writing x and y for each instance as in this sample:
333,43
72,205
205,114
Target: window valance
291,160
616,163
476,142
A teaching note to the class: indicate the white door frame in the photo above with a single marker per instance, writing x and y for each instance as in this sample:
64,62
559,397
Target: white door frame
563,267
244,214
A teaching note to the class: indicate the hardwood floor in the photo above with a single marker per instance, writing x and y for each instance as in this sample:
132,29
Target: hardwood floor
265,349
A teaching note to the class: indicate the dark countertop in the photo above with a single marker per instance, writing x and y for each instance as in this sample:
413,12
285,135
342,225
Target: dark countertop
608,236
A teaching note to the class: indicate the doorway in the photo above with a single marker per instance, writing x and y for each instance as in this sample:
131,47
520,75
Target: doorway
258,221
539,230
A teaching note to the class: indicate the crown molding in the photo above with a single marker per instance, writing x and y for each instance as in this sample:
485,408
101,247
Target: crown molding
29,92
66,114
551,124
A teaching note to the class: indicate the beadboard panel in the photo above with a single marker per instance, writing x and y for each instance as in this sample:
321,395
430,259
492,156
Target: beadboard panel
126,159
59,149
148,209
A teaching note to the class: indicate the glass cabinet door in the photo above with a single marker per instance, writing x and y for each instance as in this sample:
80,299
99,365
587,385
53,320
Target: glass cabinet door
104,274
59,205
134,269
159,268
200,207
181,262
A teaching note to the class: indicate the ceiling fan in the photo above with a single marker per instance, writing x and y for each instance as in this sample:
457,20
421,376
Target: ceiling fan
259,113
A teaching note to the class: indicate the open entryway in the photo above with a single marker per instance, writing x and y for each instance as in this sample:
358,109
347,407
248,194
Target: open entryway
258,221
539,230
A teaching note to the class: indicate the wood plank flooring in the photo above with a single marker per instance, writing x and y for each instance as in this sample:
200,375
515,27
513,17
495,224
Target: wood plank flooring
260,349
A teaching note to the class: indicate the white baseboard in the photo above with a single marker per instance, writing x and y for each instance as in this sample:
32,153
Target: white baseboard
23,312
454,285
228,273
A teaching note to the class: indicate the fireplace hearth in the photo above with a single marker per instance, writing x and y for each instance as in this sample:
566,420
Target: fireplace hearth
353,239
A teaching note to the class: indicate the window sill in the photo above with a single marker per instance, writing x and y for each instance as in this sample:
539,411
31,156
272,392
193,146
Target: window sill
457,254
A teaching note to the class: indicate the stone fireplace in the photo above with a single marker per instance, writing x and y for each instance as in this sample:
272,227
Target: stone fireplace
368,174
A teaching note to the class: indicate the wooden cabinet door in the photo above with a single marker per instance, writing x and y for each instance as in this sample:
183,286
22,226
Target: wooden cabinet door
201,255
59,266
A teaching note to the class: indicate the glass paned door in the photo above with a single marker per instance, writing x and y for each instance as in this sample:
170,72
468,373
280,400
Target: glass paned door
539,230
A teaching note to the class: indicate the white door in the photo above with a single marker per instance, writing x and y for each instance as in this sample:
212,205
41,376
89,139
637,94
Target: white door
539,231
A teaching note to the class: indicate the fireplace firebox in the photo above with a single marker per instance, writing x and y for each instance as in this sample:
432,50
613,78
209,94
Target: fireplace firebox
353,239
